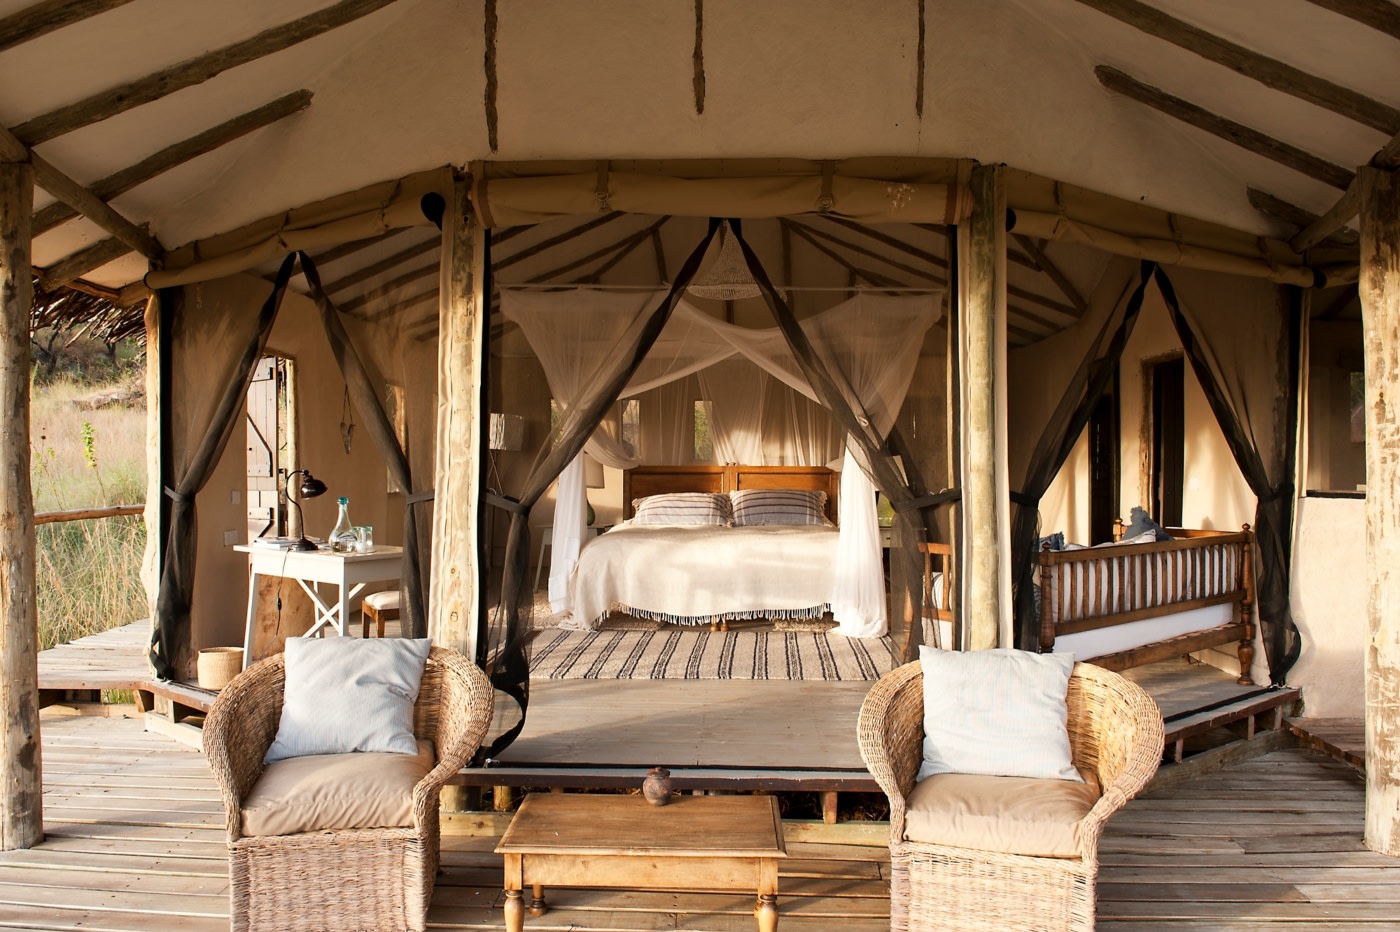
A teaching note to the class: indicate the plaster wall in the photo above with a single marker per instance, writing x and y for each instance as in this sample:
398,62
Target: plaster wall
1329,605
218,613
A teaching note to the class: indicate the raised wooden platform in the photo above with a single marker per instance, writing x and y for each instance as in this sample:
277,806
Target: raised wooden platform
1197,700
80,671
1341,738
135,843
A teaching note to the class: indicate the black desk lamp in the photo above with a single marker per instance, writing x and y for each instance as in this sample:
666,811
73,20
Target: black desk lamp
310,488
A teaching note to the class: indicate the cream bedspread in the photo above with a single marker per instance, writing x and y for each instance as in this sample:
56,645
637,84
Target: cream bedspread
693,575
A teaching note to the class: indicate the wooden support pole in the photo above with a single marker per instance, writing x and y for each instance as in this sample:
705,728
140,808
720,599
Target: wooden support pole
1379,287
21,805
982,292
456,581
456,576
1333,220
80,198
1271,205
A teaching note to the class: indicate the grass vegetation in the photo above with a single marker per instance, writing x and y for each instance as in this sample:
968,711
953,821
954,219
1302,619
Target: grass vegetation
88,445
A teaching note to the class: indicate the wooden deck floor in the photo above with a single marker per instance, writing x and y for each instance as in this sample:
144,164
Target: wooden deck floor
135,842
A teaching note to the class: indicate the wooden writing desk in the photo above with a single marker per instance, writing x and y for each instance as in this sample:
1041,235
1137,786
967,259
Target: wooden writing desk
696,842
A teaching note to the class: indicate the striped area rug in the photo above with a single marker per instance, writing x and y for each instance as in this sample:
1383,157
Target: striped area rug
676,654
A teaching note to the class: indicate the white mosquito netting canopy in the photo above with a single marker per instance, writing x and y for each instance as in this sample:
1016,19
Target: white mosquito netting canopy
761,406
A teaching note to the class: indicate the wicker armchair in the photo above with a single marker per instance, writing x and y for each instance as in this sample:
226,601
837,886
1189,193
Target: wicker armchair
298,882
1115,730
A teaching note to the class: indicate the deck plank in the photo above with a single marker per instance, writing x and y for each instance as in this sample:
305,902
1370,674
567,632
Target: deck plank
135,841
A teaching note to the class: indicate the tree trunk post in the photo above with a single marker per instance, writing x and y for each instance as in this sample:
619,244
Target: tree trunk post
1380,307
982,289
21,811
456,572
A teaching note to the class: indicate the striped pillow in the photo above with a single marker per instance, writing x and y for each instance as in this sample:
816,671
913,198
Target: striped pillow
698,508
779,506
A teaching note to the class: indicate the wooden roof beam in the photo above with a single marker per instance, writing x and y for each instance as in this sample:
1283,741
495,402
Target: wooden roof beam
1237,133
46,218
354,305
1272,205
411,301
109,103
870,253
1011,255
1059,307
596,254
1347,298
1378,14
43,18
1267,71
1333,220
651,232
80,198
74,267
1043,263
336,253
384,265
1348,205
534,250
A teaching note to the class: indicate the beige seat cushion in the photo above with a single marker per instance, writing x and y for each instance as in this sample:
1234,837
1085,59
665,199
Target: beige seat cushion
336,791
1010,815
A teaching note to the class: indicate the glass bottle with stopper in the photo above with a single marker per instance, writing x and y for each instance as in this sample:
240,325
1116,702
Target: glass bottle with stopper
342,538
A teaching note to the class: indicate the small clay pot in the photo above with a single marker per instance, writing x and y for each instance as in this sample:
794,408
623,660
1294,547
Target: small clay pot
657,786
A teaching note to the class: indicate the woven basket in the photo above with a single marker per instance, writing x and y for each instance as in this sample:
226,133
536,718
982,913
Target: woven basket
217,665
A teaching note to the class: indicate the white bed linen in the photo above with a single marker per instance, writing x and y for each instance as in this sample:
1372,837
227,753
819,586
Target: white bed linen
691,575
1086,645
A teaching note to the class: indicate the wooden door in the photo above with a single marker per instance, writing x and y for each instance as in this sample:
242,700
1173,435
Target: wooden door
1103,467
1168,440
265,448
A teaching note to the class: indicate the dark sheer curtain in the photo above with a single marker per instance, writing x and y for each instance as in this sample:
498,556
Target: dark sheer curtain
170,638
509,665
1259,431
370,403
838,396
1061,432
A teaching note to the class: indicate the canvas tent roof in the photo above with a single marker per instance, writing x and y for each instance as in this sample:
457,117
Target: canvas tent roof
402,87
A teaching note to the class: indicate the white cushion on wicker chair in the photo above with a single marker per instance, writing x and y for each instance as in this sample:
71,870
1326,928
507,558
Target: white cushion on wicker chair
336,791
1011,815
996,712
349,694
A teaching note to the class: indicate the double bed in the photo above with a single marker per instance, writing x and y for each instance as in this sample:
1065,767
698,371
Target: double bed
693,575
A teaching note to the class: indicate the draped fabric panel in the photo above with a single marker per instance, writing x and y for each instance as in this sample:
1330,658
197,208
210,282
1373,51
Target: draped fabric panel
502,641
871,341
859,396
366,393
226,347
1245,362
1086,386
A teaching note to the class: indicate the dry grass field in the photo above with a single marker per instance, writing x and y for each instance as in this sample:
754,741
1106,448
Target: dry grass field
88,449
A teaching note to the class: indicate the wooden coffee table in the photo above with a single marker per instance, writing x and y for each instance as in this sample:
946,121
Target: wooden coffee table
694,843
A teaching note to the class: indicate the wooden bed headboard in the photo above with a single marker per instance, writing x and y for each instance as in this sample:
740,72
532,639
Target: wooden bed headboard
657,480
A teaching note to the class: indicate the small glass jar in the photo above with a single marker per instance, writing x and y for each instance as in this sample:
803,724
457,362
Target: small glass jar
364,539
